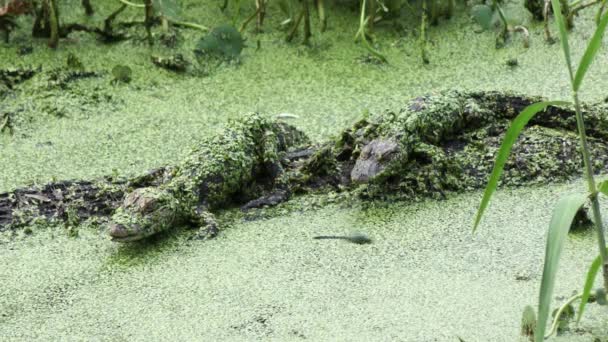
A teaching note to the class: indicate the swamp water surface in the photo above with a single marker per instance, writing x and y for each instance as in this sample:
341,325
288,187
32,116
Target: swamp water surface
425,277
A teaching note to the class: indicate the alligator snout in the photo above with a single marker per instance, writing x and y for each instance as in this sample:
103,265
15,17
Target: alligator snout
122,233
118,231
374,158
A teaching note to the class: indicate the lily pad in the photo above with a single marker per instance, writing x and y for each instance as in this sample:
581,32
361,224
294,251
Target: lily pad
168,8
483,15
74,62
224,42
122,73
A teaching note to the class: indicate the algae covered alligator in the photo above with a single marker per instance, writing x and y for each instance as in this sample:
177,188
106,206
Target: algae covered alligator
217,171
436,144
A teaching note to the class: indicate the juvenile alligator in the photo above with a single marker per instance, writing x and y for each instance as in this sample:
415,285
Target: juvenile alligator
240,162
436,144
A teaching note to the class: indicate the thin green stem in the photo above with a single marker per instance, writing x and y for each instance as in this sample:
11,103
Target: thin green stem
321,12
149,12
363,21
294,29
54,23
172,21
598,16
450,10
248,20
575,9
559,313
595,205
575,3
237,12
503,18
261,12
128,3
307,32
188,24
4,123
423,54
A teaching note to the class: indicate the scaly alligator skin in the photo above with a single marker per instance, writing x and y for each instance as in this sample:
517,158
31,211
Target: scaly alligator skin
236,163
446,142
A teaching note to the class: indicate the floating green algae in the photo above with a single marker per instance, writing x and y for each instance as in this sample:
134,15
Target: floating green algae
152,121
424,277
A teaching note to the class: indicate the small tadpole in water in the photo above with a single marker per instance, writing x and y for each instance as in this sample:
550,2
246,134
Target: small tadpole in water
357,238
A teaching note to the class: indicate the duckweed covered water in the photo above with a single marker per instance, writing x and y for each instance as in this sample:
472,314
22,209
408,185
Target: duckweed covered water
425,277
129,128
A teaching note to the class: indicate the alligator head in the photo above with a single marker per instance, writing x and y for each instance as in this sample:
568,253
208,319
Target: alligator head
375,157
144,212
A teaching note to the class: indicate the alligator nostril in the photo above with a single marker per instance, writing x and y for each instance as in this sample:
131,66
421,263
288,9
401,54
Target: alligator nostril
118,231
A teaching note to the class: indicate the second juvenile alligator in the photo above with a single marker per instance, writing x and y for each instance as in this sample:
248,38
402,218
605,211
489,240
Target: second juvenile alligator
436,144
240,162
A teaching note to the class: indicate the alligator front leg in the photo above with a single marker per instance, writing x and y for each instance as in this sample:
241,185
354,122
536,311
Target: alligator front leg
274,198
206,223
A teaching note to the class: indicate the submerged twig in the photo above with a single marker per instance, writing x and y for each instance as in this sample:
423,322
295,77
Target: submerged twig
248,20
5,123
88,9
148,20
423,54
107,24
524,33
53,17
546,8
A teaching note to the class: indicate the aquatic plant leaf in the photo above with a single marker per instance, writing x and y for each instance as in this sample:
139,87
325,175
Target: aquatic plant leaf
603,187
483,15
122,73
595,266
224,42
593,269
561,220
516,127
168,8
285,7
600,296
74,63
528,321
563,35
592,48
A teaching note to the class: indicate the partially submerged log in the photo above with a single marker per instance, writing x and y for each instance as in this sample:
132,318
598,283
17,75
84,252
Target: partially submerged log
70,201
436,144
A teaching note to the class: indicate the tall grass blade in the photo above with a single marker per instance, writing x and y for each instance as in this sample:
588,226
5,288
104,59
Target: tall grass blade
595,266
592,48
503,153
563,35
562,218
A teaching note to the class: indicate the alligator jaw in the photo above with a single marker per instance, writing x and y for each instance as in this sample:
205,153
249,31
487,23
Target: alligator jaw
120,233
